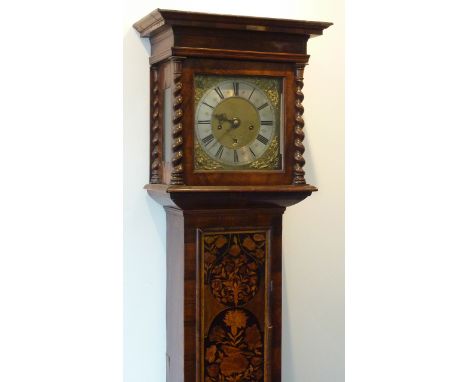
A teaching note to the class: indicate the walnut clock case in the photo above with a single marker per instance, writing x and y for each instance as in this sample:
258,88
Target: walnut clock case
226,159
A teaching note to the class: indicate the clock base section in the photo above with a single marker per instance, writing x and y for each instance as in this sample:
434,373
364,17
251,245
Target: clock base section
224,283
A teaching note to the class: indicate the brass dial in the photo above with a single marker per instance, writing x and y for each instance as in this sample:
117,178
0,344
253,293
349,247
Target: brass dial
235,122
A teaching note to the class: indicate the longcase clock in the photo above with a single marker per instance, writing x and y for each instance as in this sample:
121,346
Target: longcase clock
226,159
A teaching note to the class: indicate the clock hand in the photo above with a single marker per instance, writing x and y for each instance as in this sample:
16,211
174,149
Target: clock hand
235,122
222,118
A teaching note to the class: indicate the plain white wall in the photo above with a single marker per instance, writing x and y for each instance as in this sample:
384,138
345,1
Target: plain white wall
313,238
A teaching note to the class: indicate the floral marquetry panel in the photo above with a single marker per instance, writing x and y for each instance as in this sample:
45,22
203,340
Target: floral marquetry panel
235,307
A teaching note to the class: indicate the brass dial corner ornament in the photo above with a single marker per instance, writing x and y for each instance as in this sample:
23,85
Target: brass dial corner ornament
238,123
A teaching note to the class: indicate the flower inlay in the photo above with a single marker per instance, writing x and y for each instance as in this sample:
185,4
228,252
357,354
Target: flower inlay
234,348
232,266
234,276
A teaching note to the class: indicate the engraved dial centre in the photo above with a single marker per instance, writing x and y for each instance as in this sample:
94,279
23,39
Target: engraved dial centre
239,121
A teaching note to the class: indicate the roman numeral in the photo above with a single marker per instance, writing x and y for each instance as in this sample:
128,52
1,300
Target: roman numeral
263,106
250,96
266,123
204,122
235,85
236,157
219,92
262,139
254,155
204,103
208,139
219,153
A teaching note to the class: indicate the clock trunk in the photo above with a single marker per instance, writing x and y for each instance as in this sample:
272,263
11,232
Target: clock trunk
224,294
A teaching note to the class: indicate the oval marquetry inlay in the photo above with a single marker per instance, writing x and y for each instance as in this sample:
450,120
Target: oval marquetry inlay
234,348
234,274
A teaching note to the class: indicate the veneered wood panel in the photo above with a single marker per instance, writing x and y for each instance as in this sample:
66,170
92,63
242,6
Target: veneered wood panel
175,304
239,40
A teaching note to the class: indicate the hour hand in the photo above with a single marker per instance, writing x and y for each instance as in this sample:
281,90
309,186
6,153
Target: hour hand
221,117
